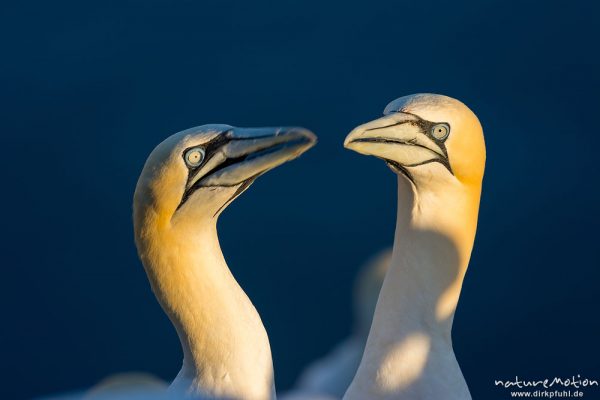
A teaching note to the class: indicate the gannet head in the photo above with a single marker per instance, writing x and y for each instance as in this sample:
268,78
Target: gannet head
196,173
427,138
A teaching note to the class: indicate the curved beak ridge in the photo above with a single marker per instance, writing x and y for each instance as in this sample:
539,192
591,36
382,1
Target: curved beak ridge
397,138
252,152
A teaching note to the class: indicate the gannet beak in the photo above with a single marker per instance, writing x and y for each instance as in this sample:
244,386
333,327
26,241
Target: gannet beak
400,139
248,153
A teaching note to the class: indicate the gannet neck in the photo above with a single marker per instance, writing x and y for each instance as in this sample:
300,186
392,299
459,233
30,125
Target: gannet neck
226,348
435,231
409,350
186,182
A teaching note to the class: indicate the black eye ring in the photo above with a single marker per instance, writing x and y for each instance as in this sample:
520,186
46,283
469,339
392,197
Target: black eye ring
193,157
440,131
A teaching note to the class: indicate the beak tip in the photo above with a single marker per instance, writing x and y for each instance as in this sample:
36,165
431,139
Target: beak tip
309,136
312,138
349,141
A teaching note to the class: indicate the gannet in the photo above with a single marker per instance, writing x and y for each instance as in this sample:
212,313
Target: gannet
435,145
186,182
332,374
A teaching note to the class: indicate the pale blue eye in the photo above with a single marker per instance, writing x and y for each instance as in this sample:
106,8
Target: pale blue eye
194,157
440,131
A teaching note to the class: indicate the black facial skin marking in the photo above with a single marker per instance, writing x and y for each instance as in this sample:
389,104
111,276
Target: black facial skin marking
213,146
394,166
425,127
210,148
244,185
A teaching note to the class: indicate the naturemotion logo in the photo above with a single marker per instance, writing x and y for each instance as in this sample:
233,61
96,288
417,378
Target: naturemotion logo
557,387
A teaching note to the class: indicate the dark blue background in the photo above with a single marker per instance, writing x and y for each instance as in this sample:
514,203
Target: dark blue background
88,89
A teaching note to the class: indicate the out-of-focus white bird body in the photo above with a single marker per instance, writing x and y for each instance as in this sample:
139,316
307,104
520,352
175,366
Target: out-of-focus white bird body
332,374
436,146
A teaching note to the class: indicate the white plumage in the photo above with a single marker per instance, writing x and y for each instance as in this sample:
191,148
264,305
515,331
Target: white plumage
436,146
332,374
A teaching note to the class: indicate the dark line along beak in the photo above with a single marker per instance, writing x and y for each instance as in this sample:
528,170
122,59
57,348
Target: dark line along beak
242,154
401,139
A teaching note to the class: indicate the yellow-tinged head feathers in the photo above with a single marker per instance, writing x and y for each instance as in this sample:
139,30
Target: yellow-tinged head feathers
196,173
465,143
421,131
